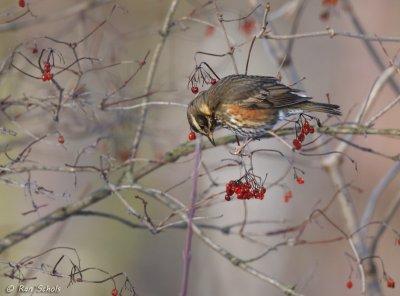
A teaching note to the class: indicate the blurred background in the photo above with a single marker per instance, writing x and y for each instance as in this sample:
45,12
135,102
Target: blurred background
341,67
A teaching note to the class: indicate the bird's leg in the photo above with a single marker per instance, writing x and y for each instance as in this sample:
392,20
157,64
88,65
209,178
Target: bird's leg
240,147
237,140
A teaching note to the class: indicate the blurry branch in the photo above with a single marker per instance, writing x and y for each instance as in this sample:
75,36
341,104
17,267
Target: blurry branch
170,157
359,27
188,148
329,32
65,13
187,255
150,75
377,192
392,208
56,216
228,40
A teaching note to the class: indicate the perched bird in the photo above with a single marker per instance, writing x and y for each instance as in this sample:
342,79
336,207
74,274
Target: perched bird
249,106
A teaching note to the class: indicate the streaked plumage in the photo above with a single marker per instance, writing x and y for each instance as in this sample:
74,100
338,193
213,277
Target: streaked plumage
249,105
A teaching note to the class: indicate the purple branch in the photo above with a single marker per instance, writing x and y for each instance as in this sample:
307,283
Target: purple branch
187,256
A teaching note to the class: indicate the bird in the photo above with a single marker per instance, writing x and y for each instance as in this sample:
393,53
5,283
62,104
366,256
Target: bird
249,106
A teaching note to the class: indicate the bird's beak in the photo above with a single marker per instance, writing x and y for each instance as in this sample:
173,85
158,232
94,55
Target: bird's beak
211,138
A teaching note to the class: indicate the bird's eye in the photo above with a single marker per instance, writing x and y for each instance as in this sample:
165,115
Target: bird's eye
202,121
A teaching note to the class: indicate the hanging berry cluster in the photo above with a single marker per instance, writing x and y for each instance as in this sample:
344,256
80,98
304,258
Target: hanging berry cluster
47,75
244,190
202,75
303,128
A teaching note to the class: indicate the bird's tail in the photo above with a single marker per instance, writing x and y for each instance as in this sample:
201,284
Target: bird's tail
321,107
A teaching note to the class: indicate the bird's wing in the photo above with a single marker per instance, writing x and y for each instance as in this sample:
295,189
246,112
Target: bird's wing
255,92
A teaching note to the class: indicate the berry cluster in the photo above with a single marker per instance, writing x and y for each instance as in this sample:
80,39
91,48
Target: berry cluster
47,75
202,74
305,129
195,89
244,190
21,3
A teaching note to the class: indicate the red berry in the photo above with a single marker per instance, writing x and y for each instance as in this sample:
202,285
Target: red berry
248,26
390,283
324,16
47,67
49,76
312,130
263,190
286,198
195,89
44,77
35,50
305,129
227,197
21,3
61,139
213,81
300,180
114,292
192,136
306,123
349,284
289,194
301,137
261,196
210,30
238,189
329,2
296,144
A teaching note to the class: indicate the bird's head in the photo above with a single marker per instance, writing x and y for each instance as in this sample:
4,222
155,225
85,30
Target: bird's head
201,117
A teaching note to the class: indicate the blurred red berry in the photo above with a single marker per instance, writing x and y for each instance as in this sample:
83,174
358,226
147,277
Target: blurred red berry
296,144
305,129
390,283
329,2
324,16
21,3
301,137
312,130
61,139
114,292
248,26
192,136
210,30
213,81
300,180
349,284
227,197
195,89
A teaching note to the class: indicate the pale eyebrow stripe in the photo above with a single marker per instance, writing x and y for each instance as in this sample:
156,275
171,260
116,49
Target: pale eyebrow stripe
195,123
